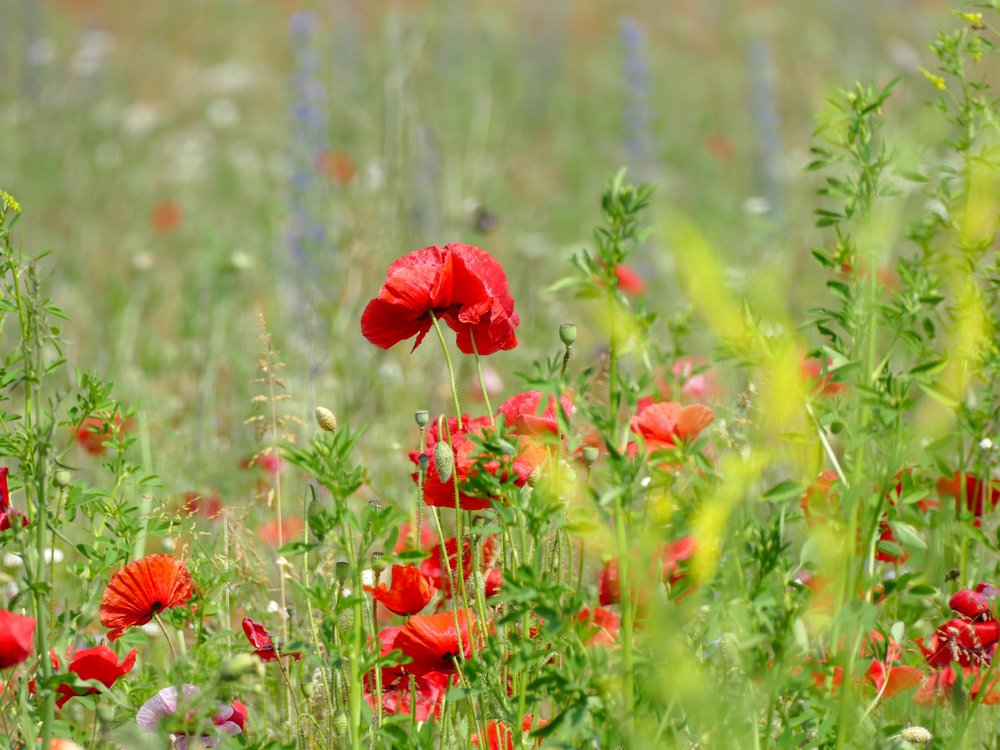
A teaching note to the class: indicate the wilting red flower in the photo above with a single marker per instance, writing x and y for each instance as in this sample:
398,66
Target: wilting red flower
629,280
977,493
17,635
167,216
291,527
99,663
141,589
602,626
975,605
671,554
465,456
891,679
94,432
812,374
668,423
432,641
410,592
7,513
260,639
461,284
208,505
520,413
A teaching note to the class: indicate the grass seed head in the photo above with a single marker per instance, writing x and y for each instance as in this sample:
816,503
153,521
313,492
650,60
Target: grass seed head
326,419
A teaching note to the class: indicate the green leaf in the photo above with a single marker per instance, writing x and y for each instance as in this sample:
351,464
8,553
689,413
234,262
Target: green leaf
907,535
783,491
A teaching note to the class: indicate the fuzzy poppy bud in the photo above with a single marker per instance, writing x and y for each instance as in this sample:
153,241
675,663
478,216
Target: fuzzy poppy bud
422,417
105,714
475,584
326,419
535,476
567,334
340,723
444,461
346,621
378,562
590,454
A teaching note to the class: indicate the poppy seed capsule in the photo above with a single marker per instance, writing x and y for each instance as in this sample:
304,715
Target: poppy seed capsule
423,462
378,562
62,478
590,454
343,571
474,585
376,505
421,416
567,334
444,461
326,419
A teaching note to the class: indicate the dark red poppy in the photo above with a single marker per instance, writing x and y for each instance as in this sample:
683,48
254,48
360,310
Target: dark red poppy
94,432
461,284
99,663
7,513
979,495
520,413
666,424
166,217
260,639
410,592
237,717
17,636
975,605
432,641
465,455
141,589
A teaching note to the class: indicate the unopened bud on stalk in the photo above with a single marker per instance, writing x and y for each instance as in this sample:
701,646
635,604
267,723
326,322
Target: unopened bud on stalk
341,724
346,621
423,462
567,334
421,417
239,667
590,454
535,476
106,714
343,571
326,419
378,562
474,585
444,461
63,478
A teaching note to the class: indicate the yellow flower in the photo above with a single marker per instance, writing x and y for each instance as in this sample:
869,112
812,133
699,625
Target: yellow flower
9,201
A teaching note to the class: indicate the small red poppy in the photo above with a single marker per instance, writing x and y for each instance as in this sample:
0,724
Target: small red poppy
141,589
668,423
814,376
520,413
602,626
17,636
462,285
260,639
979,495
500,736
7,513
208,505
432,641
892,679
98,663
166,217
410,591
94,432
629,280
431,565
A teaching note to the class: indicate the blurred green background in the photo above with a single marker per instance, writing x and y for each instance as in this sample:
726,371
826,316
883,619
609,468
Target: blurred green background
195,165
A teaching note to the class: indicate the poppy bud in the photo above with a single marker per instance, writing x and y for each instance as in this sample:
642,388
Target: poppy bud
567,334
535,476
307,688
239,667
340,723
444,461
63,478
475,584
590,454
343,571
346,621
423,462
105,714
421,417
378,562
326,419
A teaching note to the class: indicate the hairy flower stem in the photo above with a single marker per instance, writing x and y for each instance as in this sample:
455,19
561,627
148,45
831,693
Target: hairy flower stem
166,636
482,380
627,609
451,369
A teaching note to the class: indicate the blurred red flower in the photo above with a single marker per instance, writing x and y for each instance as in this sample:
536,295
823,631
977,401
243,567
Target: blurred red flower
520,413
500,736
208,505
409,593
432,641
142,589
629,280
17,636
260,639
7,513
665,424
462,285
337,166
94,432
166,217
601,626
814,377
291,527
431,565
976,604
977,493
670,557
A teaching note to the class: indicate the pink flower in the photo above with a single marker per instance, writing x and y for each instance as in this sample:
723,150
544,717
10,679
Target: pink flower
228,719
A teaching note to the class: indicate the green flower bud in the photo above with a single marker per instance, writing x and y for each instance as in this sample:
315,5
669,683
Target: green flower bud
341,724
239,667
378,562
63,478
346,621
444,461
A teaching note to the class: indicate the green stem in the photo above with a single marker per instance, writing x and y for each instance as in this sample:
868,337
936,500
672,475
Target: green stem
479,373
627,618
451,369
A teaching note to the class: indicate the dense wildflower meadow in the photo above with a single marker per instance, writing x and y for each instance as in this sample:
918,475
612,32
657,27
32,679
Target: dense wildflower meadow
702,510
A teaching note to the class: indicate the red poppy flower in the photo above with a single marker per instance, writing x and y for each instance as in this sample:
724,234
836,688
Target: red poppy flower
629,280
493,582
430,566
197,504
499,735
975,605
291,527
336,166
17,636
665,424
167,216
671,554
410,592
520,413
465,456
141,589
461,284
602,626
94,432
968,643
977,493
7,513
886,535
407,537
813,375
890,679
432,641
936,687
398,689
260,639
99,663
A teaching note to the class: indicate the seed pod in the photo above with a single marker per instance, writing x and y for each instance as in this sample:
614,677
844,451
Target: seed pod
444,461
343,571
590,454
567,334
378,562
63,478
326,419
423,462
421,417
376,505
